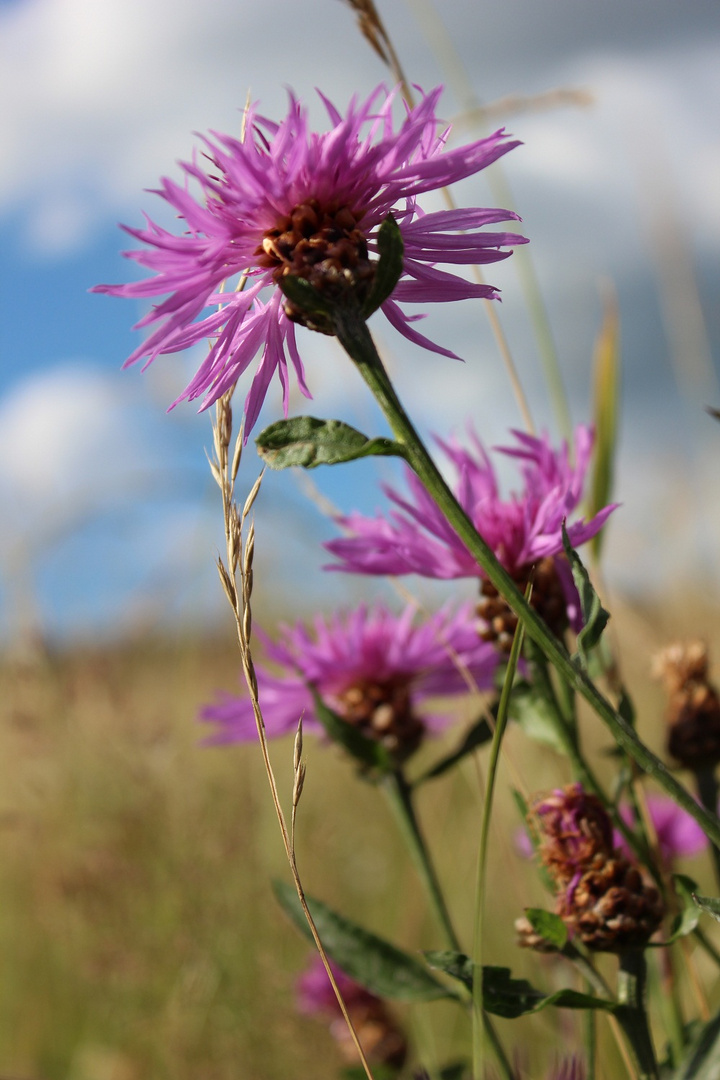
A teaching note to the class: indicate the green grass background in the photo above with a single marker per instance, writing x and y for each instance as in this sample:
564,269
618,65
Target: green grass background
138,934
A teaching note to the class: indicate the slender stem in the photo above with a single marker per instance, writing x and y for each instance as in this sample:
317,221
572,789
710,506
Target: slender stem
707,789
705,943
502,1059
479,1014
357,342
632,1016
590,1043
399,794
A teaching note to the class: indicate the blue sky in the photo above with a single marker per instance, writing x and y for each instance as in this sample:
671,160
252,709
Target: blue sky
111,519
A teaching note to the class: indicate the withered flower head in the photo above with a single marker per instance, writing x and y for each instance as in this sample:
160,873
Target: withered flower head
693,711
612,907
574,828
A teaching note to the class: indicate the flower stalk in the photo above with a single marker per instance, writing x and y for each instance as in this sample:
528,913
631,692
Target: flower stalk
399,794
632,1015
355,338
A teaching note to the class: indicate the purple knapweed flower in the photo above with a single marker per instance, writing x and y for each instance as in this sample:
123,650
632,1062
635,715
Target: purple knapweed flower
523,530
314,994
283,199
372,667
678,834
382,1039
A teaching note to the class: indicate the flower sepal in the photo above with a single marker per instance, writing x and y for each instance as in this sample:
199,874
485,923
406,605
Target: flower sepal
595,617
308,442
369,753
389,267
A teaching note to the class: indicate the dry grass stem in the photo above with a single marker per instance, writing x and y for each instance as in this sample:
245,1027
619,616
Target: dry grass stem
239,555
515,104
373,30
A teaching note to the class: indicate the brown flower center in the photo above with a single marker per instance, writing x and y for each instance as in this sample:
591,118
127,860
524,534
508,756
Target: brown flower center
324,245
548,599
383,711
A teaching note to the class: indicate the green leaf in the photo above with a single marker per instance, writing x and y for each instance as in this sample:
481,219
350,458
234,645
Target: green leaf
370,960
369,752
607,364
535,716
709,904
508,997
478,735
455,964
505,996
305,296
389,267
689,915
309,442
549,926
703,1058
595,617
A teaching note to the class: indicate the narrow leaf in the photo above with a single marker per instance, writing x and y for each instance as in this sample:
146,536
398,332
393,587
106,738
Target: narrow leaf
549,926
455,964
370,960
389,267
703,1058
595,617
605,408
689,915
505,996
709,904
532,711
309,442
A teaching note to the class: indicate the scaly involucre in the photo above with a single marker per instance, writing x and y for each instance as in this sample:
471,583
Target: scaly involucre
284,199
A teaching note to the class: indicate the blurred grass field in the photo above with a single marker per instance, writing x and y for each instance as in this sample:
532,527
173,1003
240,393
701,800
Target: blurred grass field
138,933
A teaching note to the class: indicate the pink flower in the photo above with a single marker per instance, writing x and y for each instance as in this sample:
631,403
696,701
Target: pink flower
316,995
521,530
678,834
283,199
374,668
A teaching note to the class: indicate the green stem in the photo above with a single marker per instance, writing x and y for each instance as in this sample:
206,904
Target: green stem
355,338
480,1017
632,1016
399,794
705,943
707,789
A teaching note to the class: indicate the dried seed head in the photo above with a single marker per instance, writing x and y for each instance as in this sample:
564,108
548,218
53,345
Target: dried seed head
681,664
574,830
693,711
612,907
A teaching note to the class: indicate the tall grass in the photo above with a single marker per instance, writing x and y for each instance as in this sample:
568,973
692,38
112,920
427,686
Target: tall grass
138,934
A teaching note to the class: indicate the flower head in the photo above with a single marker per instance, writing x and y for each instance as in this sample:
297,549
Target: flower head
678,834
602,897
380,1035
523,530
372,667
282,200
